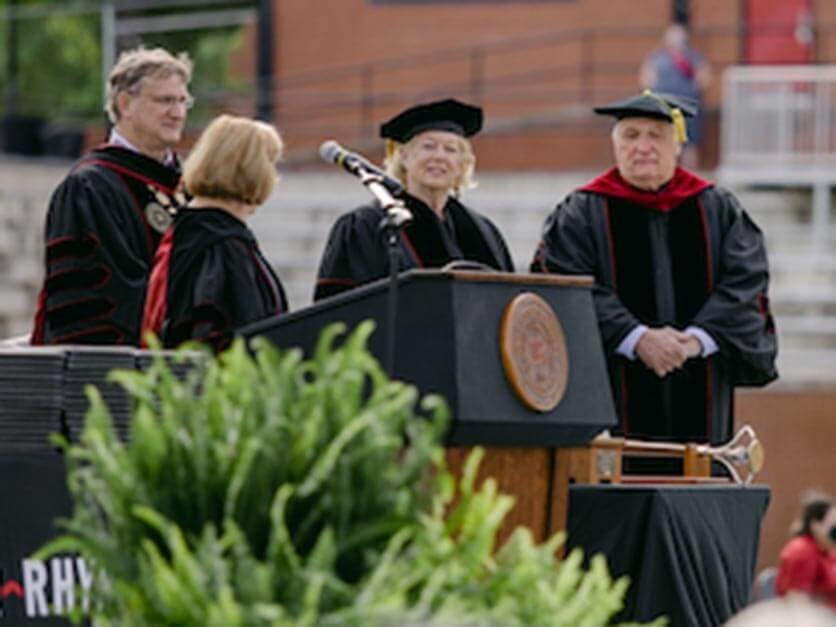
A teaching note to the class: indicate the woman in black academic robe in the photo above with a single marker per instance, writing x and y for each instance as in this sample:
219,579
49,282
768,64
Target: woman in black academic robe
209,275
428,152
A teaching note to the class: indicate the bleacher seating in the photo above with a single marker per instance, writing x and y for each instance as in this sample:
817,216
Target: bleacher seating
779,154
292,228
25,186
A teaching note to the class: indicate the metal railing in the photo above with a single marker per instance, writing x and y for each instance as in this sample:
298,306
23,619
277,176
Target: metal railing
524,81
779,128
520,76
779,115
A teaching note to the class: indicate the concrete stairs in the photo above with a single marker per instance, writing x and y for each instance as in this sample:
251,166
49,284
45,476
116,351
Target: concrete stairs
803,284
293,227
25,187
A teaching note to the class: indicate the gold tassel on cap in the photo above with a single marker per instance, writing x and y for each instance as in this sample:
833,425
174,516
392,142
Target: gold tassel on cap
677,117
679,125
391,148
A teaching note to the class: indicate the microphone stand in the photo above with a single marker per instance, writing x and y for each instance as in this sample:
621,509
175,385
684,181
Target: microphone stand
395,217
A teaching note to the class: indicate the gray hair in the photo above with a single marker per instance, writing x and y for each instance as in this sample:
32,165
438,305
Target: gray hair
136,65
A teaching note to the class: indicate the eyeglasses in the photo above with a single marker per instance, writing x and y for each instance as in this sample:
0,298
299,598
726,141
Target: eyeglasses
170,101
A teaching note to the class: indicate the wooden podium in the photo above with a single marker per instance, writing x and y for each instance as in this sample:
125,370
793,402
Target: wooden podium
517,382
490,345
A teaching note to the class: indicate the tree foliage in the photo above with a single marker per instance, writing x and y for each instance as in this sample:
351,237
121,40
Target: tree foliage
58,63
59,60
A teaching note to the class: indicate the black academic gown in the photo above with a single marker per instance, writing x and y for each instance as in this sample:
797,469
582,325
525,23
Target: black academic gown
356,252
686,255
209,278
101,234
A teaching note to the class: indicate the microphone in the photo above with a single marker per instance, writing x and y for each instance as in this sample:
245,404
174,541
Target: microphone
357,165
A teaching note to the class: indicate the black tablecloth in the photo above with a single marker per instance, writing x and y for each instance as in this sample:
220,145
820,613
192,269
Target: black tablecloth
690,551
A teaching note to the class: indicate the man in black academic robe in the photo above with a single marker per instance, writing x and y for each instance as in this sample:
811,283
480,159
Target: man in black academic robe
107,216
681,279
357,251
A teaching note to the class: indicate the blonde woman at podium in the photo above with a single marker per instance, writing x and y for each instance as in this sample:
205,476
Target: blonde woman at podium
428,152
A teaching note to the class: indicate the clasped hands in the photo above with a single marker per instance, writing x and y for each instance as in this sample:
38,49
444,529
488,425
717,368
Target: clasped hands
665,349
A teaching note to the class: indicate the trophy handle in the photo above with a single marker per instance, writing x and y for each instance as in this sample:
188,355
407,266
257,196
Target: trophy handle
734,454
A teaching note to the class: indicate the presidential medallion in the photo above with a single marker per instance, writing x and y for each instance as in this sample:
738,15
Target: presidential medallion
158,217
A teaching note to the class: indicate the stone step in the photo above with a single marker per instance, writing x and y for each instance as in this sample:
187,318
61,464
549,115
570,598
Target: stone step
808,366
25,272
792,261
802,295
812,325
293,227
15,301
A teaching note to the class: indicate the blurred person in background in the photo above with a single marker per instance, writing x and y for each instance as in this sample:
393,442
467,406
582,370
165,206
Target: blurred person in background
788,612
209,275
429,153
679,70
681,278
107,216
808,561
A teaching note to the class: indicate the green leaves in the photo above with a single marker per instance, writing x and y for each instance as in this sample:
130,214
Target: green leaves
68,89
268,490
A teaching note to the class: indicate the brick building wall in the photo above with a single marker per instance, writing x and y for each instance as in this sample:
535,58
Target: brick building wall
515,59
342,67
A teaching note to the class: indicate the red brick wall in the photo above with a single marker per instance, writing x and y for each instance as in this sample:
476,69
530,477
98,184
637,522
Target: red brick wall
359,31
825,22
544,75
344,66
798,430
550,65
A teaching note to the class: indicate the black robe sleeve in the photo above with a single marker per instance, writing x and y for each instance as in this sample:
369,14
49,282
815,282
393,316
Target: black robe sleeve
503,255
224,293
737,313
573,243
97,260
354,253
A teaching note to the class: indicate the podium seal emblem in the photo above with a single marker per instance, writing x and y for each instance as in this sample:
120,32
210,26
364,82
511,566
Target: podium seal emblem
534,353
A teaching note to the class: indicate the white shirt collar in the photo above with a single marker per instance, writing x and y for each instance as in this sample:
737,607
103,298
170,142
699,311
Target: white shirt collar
117,139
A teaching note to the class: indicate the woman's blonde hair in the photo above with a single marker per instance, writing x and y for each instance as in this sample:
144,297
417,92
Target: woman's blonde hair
134,66
395,167
234,159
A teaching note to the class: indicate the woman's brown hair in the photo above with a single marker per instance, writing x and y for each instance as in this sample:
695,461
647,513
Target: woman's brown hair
815,506
234,159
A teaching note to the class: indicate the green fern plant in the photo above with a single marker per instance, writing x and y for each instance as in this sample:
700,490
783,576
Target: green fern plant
269,490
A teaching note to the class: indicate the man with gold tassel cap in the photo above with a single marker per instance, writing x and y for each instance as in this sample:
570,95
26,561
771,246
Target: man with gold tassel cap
681,278
428,151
